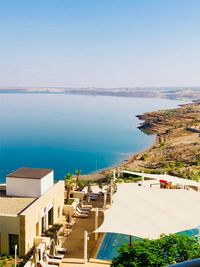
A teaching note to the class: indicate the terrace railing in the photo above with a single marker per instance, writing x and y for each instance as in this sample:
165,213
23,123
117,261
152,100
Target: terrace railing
192,263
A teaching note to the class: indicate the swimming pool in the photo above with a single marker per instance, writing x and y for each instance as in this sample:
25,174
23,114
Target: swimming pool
112,242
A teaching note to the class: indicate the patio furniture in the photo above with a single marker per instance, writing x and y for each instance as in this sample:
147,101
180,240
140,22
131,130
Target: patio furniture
50,260
93,197
85,209
80,215
56,256
82,211
84,206
61,250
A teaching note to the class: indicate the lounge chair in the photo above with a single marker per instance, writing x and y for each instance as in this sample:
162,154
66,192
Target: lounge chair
52,260
61,250
80,215
57,256
82,211
84,206
85,209
94,194
93,197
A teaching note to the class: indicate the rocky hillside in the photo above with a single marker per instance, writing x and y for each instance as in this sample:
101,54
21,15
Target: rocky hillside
177,147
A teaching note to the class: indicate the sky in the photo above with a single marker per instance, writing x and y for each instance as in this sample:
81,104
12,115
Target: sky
100,43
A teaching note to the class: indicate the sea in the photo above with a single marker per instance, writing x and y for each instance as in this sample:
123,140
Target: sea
67,132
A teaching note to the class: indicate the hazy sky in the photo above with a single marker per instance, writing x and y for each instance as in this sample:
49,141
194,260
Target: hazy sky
108,43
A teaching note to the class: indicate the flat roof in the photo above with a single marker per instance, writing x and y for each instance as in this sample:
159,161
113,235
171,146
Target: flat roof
13,205
30,173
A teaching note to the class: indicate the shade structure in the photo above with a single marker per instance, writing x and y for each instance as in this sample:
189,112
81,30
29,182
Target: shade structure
149,212
166,177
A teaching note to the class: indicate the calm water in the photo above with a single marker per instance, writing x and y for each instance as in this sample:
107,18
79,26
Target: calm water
112,242
68,132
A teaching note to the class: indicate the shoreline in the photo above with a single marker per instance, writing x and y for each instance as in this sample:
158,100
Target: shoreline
173,93
176,146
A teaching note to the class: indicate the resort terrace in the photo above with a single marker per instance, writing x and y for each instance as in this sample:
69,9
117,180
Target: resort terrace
132,209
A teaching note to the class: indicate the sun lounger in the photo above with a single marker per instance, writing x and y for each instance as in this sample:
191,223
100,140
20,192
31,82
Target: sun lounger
82,211
93,197
52,260
61,250
86,206
94,194
85,209
57,256
80,215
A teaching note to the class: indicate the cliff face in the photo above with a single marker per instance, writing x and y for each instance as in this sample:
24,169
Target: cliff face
161,121
177,148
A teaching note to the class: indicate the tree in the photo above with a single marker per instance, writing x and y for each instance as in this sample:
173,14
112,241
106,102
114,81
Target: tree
68,184
78,172
157,253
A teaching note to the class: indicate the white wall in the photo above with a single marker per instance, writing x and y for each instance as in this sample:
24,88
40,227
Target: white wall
46,182
24,187
54,197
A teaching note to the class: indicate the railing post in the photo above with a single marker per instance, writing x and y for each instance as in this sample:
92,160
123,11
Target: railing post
96,222
15,255
85,246
104,200
111,192
142,180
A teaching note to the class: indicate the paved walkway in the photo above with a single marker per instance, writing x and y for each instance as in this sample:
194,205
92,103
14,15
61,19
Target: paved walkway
75,241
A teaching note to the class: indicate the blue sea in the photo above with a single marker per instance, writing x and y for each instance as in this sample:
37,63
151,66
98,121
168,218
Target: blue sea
68,132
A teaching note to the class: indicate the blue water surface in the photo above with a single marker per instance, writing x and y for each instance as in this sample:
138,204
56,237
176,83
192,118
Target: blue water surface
68,132
113,241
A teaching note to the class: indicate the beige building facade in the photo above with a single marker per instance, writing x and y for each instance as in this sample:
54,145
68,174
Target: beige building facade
24,218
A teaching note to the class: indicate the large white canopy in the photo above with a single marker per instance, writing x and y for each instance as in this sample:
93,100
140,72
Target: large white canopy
149,212
168,178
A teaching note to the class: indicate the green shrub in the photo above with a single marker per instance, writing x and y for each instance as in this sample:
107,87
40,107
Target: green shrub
179,164
198,160
157,253
144,156
162,144
69,201
51,232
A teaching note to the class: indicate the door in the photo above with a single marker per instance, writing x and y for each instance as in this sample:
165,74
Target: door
13,240
50,217
43,224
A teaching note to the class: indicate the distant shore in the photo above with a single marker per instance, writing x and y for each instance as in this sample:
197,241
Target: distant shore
188,93
177,145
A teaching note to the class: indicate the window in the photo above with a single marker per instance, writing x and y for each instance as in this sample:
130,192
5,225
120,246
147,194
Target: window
50,217
43,224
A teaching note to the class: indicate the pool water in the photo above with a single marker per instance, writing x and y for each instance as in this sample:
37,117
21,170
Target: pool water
112,242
